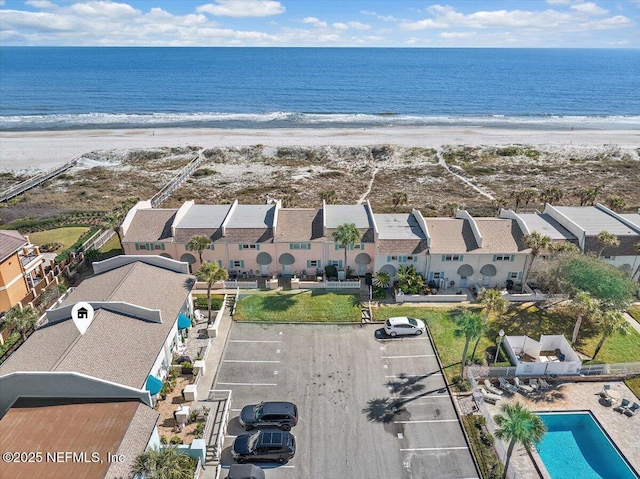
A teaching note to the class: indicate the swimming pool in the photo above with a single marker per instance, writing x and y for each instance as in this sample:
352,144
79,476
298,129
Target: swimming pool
576,447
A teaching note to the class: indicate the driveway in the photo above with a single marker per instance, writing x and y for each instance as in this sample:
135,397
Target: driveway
368,408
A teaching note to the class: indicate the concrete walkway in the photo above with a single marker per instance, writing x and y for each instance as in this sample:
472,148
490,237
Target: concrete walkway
634,324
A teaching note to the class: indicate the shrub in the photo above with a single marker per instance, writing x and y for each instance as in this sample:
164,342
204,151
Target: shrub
176,440
200,302
379,294
164,439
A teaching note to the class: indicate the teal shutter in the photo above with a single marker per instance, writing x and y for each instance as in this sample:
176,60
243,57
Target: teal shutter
461,257
443,258
340,264
494,258
319,264
430,275
231,264
220,263
415,259
258,247
242,264
337,246
520,275
512,257
290,245
308,263
137,246
186,247
388,257
162,244
240,247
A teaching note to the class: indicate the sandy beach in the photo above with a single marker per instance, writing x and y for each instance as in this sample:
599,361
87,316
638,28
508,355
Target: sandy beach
46,149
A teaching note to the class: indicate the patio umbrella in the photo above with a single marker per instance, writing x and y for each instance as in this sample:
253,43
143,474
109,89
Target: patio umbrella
183,321
153,385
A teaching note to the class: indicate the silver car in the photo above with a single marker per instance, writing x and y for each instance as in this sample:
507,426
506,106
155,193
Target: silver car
403,325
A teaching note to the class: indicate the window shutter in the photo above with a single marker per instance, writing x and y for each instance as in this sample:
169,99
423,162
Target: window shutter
137,246
494,258
290,245
443,258
337,246
415,259
388,257
520,275
430,275
512,257
319,264
186,247
258,247
340,264
242,264
461,257
220,263
308,263
231,264
240,247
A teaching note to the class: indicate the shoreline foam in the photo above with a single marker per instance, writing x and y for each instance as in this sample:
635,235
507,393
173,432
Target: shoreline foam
46,149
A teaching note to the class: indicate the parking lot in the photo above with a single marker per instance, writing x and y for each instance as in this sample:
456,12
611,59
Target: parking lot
368,407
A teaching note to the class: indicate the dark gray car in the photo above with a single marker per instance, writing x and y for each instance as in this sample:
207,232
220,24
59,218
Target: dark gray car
270,446
280,414
245,471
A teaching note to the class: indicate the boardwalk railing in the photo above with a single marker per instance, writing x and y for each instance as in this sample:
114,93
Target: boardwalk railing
34,181
176,181
617,369
221,421
241,284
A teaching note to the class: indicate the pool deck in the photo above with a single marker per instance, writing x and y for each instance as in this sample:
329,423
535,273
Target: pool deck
583,396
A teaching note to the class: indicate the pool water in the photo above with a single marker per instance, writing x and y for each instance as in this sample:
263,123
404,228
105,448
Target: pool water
575,447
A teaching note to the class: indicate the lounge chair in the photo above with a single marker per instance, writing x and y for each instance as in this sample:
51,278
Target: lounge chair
544,384
489,397
633,410
534,384
522,387
491,388
507,386
624,405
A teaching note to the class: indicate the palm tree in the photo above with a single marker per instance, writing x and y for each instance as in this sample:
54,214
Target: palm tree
493,302
537,243
607,240
470,325
517,196
610,322
528,195
346,235
564,247
210,273
616,203
164,463
113,219
584,307
551,195
452,208
288,200
199,243
382,279
499,202
518,425
22,320
399,198
329,196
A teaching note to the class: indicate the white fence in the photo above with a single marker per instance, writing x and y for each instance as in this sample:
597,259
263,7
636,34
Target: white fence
98,242
342,284
618,369
240,284
220,395
431,298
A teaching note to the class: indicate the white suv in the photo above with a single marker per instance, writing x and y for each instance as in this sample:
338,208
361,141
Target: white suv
403,325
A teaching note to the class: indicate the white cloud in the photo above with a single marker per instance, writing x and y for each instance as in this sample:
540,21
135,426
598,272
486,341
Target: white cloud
242,8
386,18
457,35
558,2
105,9
353,25
422,25
589,8
316,22
42,4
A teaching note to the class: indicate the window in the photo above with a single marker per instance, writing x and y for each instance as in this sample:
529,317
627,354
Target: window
609,257
358,246
503,257
512,276
236,264
300,246
211,246
336,263
150,246
452,257
437,275
142,246
410,258
249,246
393,258
157,246
313,263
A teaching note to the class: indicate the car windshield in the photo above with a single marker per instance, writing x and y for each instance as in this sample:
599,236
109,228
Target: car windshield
253,440
257,411
412,322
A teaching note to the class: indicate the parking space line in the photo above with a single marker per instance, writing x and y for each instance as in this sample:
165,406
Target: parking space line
428,375
251,341
247,384
426,396
245,361
228,466
405,357
425,421
458,448
236,410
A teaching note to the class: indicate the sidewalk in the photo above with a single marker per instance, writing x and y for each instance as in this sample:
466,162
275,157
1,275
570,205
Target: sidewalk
634,324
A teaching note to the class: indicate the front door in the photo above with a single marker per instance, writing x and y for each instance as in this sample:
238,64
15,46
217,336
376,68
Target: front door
362,269
486,280
286,270
463,281
264,269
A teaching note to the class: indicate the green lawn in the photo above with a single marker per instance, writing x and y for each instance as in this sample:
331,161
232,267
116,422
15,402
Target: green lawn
299,306
634,311
442,327
111,248
634,385
66,236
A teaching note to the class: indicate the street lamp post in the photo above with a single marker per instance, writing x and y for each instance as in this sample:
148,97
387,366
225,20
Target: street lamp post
501,335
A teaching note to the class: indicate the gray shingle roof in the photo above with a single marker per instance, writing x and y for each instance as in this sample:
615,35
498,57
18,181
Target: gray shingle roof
10,242
500,235
450,235
299,225
252,216
150,225
402,246
115,347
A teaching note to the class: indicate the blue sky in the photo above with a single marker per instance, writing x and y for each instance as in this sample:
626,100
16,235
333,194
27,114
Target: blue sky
324,23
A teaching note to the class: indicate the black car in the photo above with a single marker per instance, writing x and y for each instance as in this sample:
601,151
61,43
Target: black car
245,471
281,414
264,445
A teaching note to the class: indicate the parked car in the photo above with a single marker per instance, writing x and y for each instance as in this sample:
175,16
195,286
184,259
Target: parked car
245,471
403,325
264,445
281,414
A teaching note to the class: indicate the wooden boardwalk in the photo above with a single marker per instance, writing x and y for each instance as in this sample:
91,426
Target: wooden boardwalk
37,180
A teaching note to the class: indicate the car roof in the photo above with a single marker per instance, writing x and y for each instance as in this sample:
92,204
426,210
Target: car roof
245,471
275,407
399,320
274,438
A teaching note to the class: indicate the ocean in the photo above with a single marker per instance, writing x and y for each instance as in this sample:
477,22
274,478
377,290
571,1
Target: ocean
81,88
